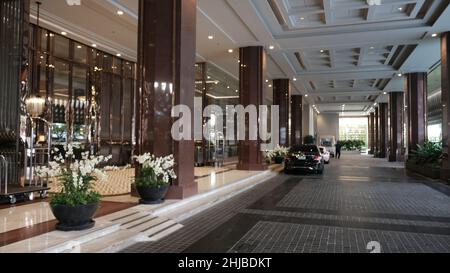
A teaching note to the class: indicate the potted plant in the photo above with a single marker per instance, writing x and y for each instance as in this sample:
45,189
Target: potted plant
277,155
76,204
155,175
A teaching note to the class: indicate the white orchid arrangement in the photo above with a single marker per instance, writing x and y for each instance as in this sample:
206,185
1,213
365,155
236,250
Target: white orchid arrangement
279,151
76,175
155,171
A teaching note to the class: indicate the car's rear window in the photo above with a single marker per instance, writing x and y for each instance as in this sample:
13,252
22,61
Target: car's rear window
307,149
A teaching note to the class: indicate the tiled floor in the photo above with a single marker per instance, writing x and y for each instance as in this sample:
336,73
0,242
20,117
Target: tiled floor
358,202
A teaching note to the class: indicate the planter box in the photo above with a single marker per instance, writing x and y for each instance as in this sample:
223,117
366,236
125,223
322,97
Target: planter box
425,170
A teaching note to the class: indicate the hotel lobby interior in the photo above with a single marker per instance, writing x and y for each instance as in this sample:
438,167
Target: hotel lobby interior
95,82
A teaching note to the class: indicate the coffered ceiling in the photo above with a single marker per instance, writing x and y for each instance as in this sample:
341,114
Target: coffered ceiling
336,51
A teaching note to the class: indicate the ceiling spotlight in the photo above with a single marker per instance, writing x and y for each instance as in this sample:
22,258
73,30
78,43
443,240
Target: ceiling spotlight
384,93
399,74
302,18
372,48
64,33
120,12
306,95
210,37
271,47
434,35
270,86
322,51
295,79
230,50
94,45
267,80
118,55
400,8
79,47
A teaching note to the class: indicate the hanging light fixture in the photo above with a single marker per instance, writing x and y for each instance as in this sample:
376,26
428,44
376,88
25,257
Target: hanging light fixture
35,106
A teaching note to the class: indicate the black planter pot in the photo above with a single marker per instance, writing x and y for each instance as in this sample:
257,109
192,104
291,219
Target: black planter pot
74,218
279,160
152,195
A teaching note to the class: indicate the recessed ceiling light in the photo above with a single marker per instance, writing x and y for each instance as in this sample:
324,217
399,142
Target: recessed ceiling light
271,47
302,18
79,47
94,45
400,8
64,33
434,35
371,48
210,37
230,50
295,79
270,86
267,80
237,91
400,74
384,93
306,95
120,12
118,55
228,87
322,51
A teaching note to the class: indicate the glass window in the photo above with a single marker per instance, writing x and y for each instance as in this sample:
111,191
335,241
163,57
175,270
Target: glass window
62,46
434,105
80,53
60,102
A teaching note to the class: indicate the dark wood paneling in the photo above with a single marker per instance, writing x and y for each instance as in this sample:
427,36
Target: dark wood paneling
396,126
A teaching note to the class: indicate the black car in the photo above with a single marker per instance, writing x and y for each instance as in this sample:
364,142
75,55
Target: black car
304,158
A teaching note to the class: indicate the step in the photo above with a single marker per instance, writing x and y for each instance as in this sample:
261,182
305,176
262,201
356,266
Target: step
110,243
58,241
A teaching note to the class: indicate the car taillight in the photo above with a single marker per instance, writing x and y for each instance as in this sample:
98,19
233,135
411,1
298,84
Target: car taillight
317,158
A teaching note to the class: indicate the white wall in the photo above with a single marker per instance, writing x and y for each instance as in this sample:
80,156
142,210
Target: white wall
328,125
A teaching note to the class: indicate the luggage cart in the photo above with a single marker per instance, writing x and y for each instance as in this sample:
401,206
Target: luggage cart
13,191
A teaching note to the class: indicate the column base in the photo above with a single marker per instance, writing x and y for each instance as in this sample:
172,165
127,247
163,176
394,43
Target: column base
182,192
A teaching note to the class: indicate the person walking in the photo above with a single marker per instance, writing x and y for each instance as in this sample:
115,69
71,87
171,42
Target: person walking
338,150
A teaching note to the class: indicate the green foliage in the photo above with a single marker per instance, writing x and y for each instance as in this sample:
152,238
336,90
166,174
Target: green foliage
352,145
71,195
148,178
428,153
309,140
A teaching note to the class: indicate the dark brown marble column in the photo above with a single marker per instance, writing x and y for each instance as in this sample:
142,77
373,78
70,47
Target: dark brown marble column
296,120
371,133
376,132
281,93
395,126
416,99
383,129
445,73
251,80
166,77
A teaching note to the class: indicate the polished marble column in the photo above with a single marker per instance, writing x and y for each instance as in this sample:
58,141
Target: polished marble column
416,97
376,131
166,77
296,120
371,133
281,93
445,74
251,79
383,129
395,126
